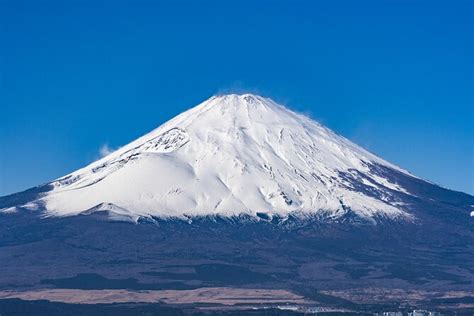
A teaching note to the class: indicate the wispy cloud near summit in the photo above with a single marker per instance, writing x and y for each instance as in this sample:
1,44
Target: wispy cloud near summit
105,150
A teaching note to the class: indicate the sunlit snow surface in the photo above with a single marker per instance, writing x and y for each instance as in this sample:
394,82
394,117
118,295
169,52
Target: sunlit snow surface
229,155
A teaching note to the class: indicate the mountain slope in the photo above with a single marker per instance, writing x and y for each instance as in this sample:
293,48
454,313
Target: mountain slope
230,155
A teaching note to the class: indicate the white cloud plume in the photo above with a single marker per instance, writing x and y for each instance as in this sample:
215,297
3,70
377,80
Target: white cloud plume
105,150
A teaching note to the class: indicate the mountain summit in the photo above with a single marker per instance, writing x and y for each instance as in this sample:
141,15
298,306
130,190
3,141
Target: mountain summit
231,155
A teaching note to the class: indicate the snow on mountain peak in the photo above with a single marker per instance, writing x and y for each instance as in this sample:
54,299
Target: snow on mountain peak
229,155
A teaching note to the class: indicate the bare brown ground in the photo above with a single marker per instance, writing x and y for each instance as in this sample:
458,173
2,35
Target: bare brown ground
216,295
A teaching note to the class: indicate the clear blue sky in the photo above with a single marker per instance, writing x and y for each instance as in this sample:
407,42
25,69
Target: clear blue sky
394,76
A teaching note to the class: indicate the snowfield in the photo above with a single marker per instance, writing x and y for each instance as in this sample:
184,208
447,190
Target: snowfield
230,155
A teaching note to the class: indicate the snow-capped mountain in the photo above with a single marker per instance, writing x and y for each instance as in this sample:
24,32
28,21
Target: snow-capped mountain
239,192
229,155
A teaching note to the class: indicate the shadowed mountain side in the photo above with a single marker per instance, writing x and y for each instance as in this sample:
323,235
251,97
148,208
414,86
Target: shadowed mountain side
68,252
